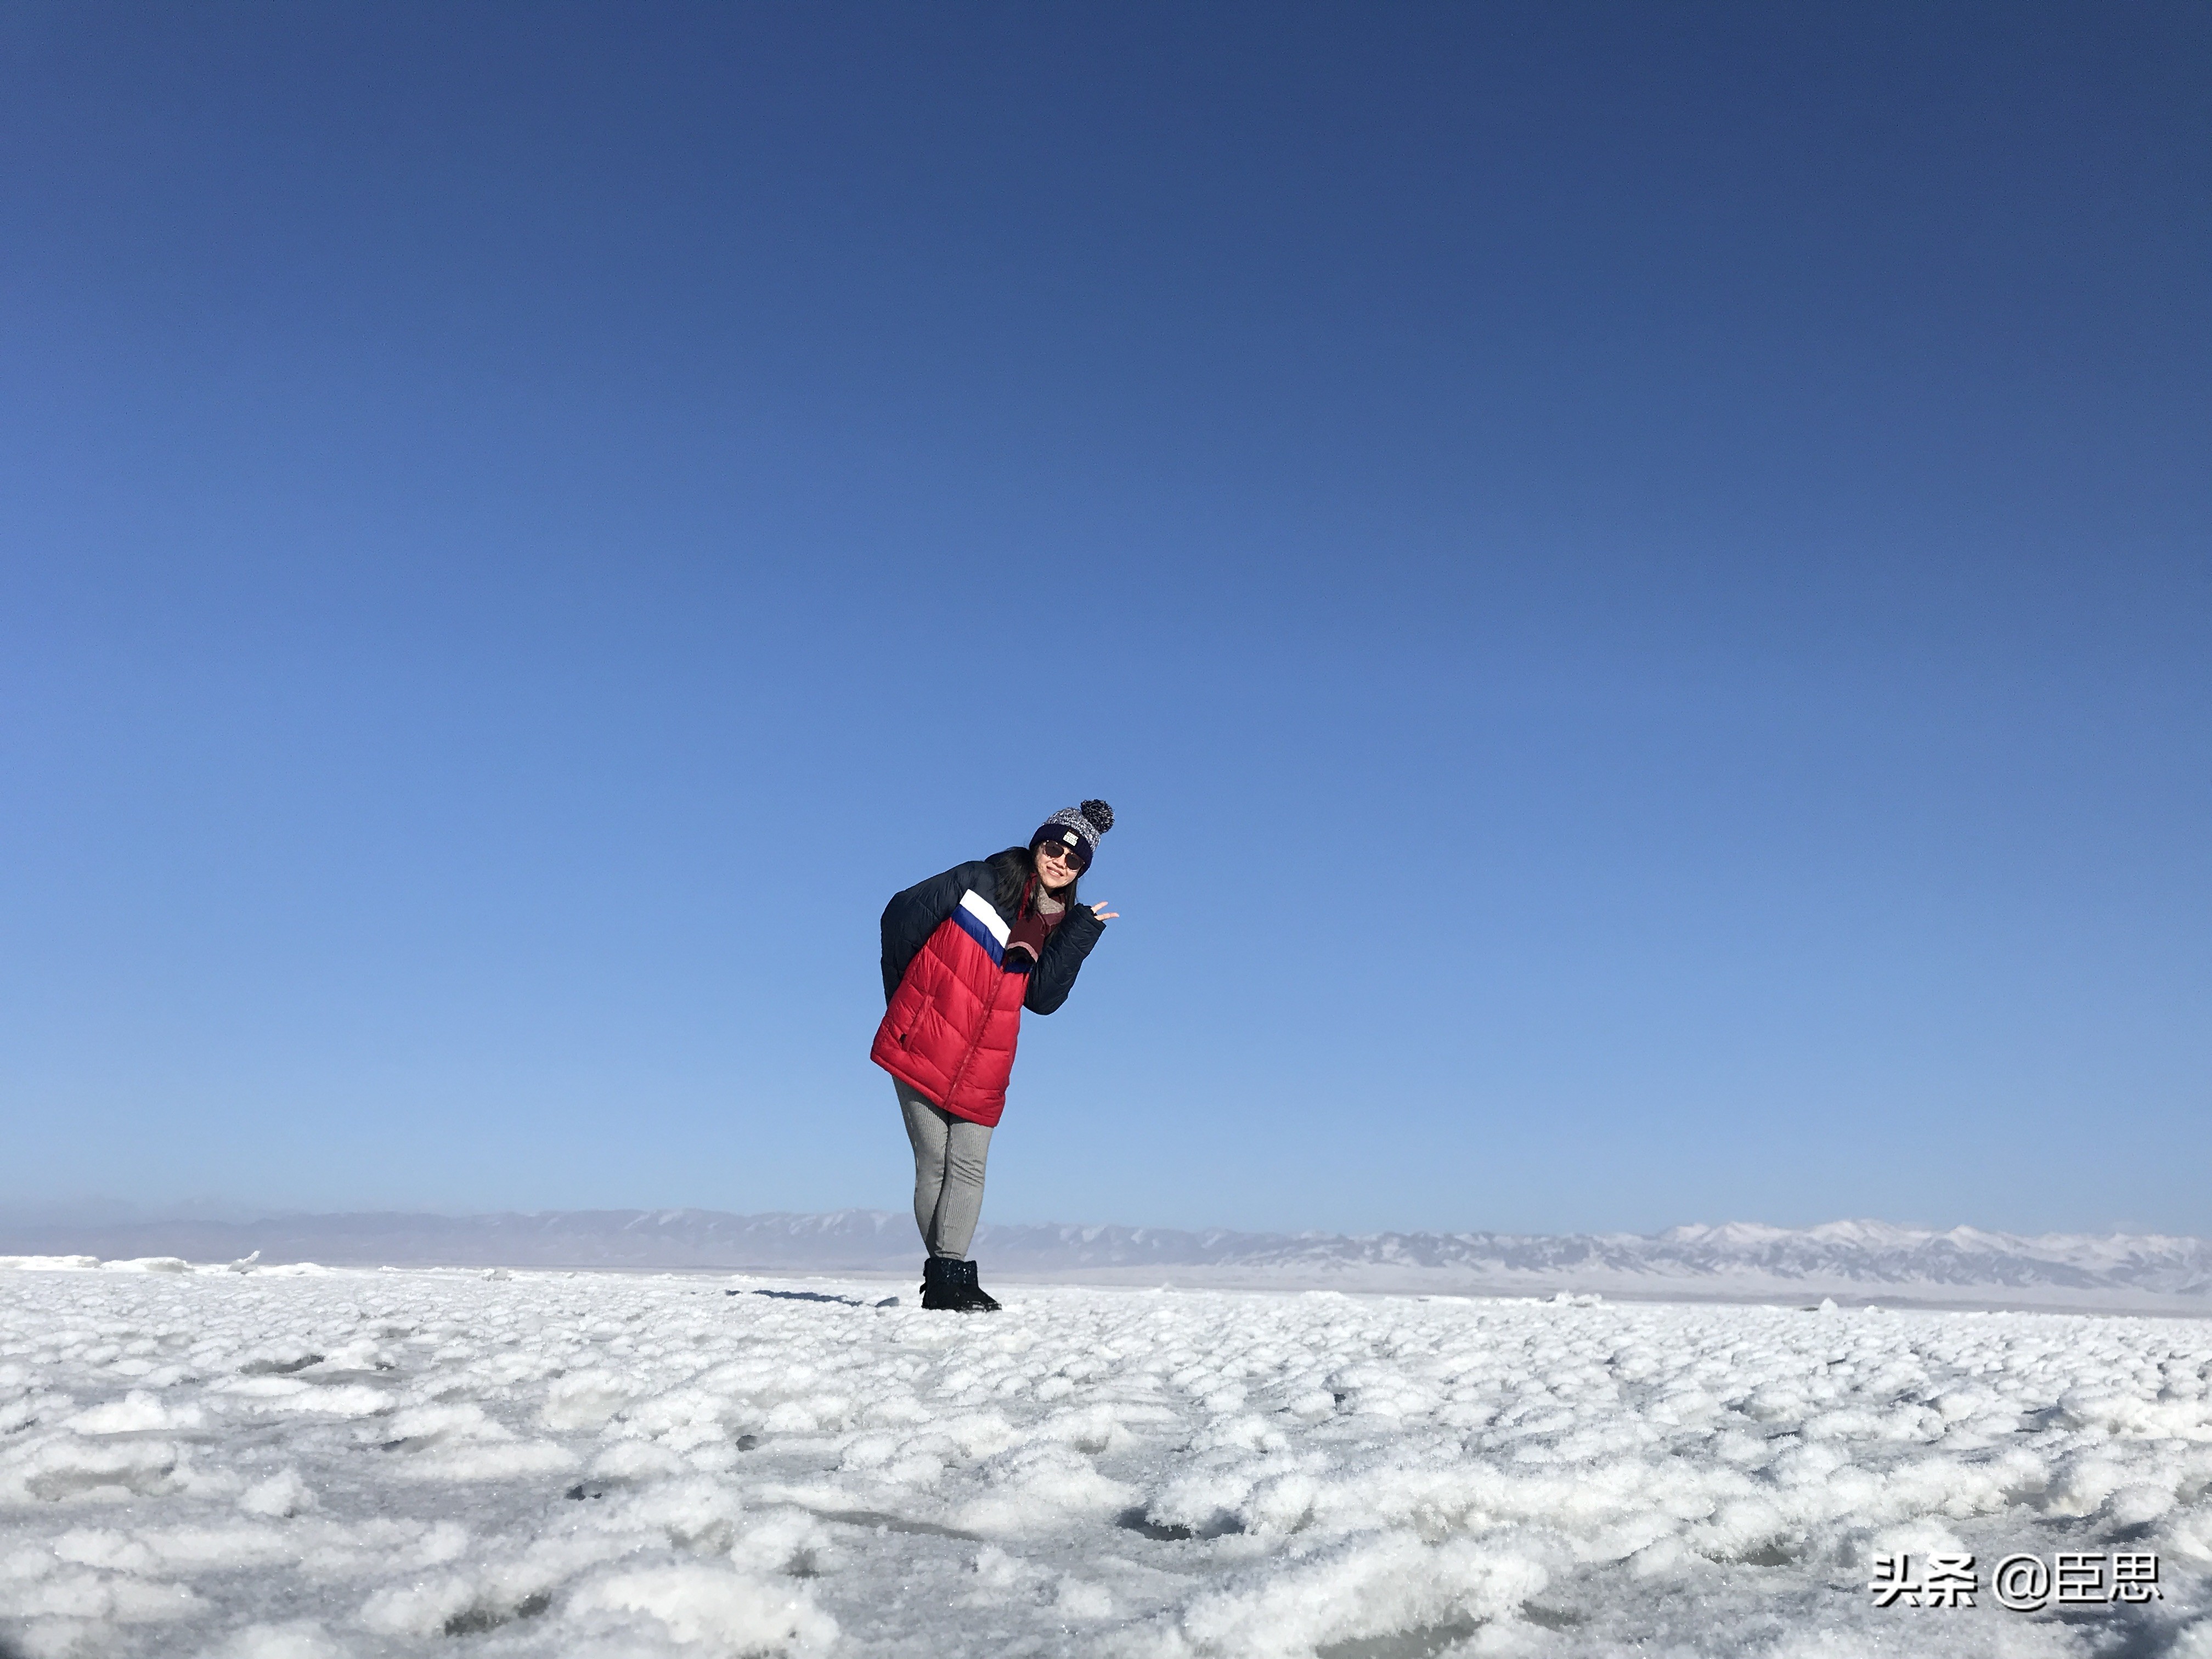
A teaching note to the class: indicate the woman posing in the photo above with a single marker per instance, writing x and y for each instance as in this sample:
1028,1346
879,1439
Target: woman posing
963,954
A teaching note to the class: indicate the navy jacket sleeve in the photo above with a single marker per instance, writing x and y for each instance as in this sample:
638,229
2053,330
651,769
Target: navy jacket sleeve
912,916
1053,976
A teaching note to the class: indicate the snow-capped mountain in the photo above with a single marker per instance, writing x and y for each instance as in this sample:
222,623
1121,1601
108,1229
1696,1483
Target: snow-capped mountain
1859,1260
1866,1255
1867,1260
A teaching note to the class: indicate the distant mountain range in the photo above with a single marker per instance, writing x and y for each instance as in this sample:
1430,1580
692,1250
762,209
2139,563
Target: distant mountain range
1851,1260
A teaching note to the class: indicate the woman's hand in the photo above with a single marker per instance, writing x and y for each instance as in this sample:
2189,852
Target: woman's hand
1100,911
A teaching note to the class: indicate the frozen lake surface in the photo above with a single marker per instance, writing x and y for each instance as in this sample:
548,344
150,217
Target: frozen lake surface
301,1463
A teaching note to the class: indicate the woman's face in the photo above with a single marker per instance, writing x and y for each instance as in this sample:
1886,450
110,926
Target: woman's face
1055,864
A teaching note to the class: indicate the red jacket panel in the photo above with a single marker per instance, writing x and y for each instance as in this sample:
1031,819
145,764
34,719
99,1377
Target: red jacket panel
954,1021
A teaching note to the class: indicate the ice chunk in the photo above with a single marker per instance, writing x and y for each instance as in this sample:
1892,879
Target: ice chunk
301,1638
716,1607
282,1495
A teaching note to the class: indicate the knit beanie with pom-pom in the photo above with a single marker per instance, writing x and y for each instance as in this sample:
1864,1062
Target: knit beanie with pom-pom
1078,828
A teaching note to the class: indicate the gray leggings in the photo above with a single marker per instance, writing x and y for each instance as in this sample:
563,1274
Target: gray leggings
948,1174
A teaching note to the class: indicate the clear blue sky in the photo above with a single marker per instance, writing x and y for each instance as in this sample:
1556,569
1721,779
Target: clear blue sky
1637,575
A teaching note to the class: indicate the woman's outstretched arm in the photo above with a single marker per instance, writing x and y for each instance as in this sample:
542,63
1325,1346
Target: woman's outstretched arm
1053,976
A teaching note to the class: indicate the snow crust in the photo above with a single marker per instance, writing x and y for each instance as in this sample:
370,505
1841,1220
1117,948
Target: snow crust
316,1464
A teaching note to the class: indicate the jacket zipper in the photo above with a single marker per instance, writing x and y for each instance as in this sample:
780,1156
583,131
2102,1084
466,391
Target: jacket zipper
960,1072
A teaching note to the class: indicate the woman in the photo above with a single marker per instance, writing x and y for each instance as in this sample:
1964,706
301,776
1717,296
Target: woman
963,954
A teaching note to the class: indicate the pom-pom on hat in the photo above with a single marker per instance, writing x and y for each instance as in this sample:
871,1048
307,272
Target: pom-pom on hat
1078,828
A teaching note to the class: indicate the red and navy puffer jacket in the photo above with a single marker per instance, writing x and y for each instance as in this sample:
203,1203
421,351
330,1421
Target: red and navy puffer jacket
956,998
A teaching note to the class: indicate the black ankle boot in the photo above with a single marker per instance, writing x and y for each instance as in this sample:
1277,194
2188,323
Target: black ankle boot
940,1283
972,1296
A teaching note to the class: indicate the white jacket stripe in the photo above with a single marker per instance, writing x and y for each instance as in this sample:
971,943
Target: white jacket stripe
981,908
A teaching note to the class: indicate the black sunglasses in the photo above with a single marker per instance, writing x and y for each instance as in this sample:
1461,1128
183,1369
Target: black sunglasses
1060,850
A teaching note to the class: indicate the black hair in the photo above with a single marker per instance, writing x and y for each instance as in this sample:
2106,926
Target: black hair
1010,873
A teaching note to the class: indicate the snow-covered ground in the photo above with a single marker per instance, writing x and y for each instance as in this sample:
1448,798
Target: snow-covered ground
279,1465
